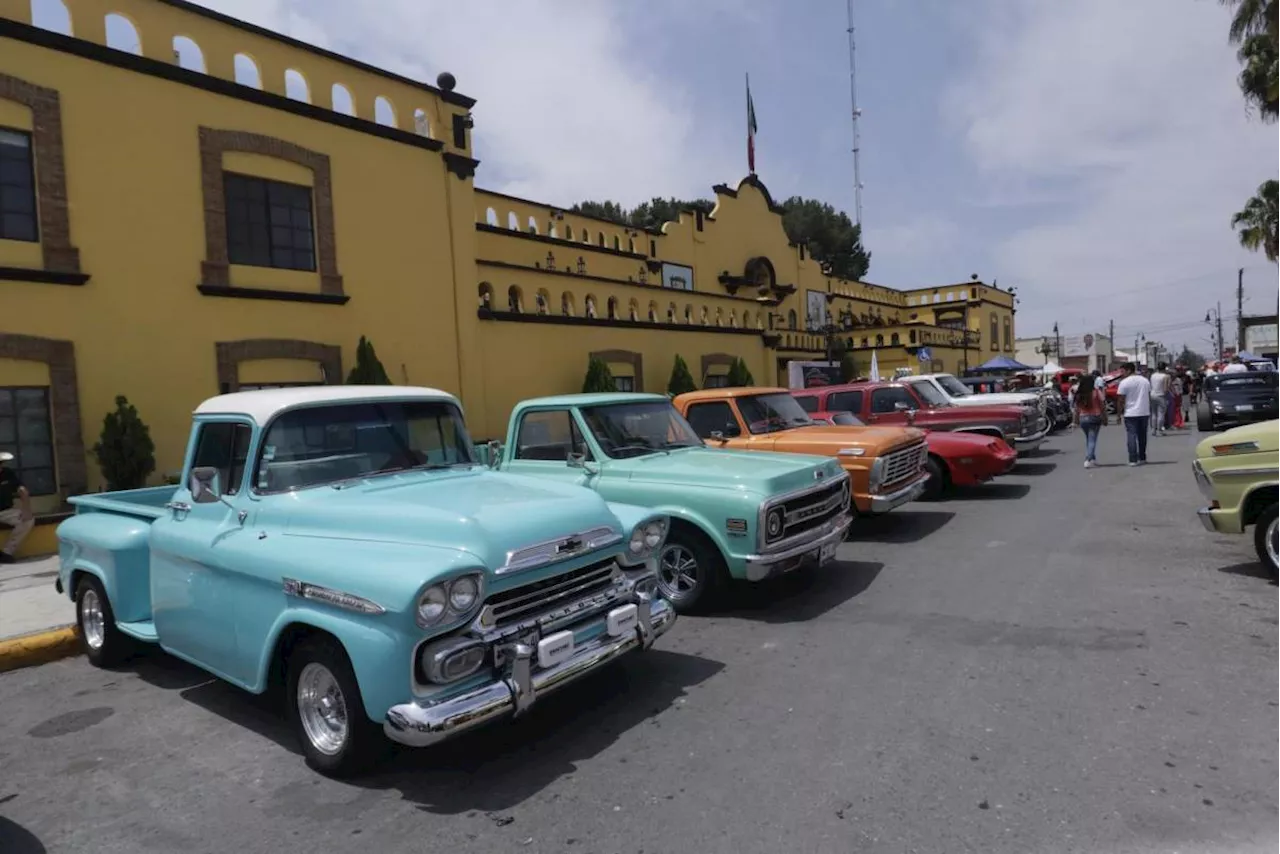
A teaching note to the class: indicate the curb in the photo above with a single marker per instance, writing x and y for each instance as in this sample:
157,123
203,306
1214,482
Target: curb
38,648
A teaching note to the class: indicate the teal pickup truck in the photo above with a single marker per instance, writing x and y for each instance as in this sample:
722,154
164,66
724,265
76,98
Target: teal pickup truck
345,544
733,514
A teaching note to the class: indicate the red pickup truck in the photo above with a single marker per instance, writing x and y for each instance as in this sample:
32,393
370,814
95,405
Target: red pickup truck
967,445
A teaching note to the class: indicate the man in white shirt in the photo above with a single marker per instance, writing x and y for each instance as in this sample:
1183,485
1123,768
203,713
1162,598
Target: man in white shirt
1236,366
1134,392
1159,398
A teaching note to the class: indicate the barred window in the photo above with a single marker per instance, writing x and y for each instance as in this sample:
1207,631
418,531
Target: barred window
269,223
26,431
17,187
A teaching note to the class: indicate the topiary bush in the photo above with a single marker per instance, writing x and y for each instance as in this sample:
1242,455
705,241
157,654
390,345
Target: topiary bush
598,378
681,380
739,374
367,369
125,453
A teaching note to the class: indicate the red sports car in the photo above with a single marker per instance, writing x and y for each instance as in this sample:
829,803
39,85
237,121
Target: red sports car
955,459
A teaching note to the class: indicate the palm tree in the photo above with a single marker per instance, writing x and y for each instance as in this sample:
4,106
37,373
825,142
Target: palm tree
1251,18
1258,79
1258,222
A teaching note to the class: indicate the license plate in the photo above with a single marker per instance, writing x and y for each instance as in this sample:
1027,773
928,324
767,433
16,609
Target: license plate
555,649
622,620
828,552
1244,407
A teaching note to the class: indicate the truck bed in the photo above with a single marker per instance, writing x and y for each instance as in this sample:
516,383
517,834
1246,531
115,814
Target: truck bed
146,503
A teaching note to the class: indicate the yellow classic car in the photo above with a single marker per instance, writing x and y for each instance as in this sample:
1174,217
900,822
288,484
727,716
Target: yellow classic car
1236,471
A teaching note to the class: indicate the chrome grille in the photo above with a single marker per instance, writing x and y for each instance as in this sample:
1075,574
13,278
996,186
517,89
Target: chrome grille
813,509
528,601
904,463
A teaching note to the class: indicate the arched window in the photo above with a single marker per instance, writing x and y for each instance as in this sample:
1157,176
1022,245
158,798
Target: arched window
617,243
591,306
568,232
341,102
247,73
543,301
51,15
893,339
533,225
1008,333
600,238
653,312
791,319
490,216
486,295
631,244
688,314
633,309
995,331
122,34
551,230
613,308
702,316
513,221
383,112
719,317
911,336
188,54
295,85
421,125
515,300
879,340
566,304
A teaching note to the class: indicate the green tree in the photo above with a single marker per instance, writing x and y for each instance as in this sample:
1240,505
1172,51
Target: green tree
1190,358
681,380
367,369
1258,78
739,374
848,368
598,378
124,450
1257,222
832,237
647,215
611,211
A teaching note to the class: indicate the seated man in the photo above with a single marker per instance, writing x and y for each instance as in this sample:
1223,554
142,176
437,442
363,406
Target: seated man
19,518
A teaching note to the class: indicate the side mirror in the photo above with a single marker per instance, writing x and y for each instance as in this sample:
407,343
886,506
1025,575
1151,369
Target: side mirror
717,436
204,485
576,461
494,448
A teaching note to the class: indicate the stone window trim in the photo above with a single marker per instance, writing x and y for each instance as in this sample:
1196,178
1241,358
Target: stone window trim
216,268
64,401
229,355
624,357
712,360
51,174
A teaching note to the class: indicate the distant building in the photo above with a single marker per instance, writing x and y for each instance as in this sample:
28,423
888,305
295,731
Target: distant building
1086,351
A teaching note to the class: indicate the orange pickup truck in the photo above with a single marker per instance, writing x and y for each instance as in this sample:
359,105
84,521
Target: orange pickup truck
885,464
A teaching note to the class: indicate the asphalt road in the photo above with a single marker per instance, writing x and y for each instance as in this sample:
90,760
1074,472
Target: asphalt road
1064,661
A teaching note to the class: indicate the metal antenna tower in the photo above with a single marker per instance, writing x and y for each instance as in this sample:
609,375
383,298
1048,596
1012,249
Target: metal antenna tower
856,113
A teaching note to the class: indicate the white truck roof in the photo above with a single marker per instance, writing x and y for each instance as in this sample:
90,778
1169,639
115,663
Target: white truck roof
265,404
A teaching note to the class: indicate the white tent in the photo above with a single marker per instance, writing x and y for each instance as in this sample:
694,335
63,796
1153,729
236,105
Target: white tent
1051,368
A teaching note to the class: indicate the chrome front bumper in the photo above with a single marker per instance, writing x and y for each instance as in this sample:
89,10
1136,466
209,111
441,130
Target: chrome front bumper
761,566
424,724
885,503
1022,444
1205,514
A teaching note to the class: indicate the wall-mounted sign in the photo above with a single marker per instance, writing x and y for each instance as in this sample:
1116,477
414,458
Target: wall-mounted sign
812,374
677,277
815,304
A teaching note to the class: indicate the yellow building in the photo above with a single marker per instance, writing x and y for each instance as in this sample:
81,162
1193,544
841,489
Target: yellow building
190,205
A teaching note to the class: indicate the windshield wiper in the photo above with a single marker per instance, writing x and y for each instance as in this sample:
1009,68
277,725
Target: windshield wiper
346,481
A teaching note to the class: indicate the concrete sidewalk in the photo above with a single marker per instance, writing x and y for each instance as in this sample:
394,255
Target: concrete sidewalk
35,620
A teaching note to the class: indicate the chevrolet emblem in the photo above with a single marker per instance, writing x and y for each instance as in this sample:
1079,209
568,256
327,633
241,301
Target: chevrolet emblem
568,546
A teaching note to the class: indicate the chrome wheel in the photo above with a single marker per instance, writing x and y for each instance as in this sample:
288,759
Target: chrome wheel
92,623
1272,533
678,572
322,709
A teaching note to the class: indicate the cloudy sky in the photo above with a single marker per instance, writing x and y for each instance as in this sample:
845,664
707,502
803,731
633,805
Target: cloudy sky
1089,152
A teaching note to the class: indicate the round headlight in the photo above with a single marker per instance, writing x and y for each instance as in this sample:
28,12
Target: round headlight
463,593
653,534
773,523
431,606
638,541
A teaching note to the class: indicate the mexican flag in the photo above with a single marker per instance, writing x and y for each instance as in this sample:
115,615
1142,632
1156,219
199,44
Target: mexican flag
751,130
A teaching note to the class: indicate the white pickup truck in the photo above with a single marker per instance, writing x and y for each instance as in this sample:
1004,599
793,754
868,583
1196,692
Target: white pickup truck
959,394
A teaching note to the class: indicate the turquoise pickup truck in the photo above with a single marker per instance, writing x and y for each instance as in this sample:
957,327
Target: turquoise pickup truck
733,514
344,543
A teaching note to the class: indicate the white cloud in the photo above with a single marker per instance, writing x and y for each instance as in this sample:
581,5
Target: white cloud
565,110
1131,113
930,240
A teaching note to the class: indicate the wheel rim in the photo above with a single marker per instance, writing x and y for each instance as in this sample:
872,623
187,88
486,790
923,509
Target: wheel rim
678,572
92,623
1272,533
322,709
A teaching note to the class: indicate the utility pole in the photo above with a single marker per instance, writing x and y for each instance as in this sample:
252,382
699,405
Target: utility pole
856,114
1057,343
1240,310
1111,343
1221,344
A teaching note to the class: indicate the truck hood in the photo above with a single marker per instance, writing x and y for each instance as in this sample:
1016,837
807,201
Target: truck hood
961,415
764,473
1004,398
482,512
1265,433
829,439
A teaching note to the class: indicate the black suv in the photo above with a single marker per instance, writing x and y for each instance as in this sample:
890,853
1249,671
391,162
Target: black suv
1230,400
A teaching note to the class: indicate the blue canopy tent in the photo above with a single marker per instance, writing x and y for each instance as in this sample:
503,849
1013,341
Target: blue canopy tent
1003,363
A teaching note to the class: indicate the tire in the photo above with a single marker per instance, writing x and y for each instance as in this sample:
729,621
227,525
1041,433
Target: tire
1264,538
1204,418
103,644
939,479
336,736
688,554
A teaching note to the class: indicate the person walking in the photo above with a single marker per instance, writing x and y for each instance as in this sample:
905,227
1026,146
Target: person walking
1134,393
1089,412
19,518
1159,399
1178,388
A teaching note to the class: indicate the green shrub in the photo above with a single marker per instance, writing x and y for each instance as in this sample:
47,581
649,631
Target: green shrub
125,453
598,377
681,380
367,369
739,374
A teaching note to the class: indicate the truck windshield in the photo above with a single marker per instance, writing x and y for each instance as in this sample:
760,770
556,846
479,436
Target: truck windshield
330,444
637,429
768,413
929,393
953,386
